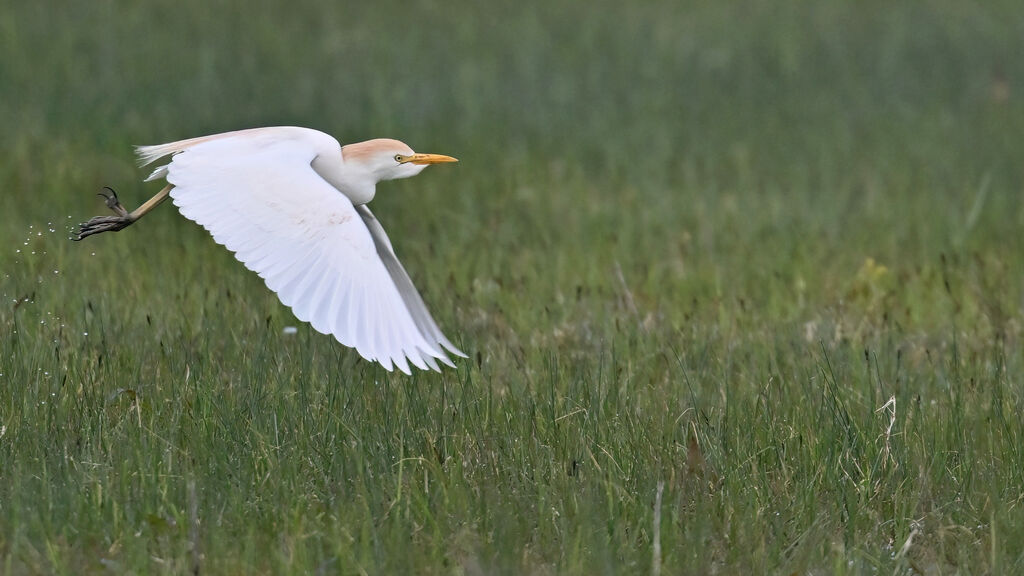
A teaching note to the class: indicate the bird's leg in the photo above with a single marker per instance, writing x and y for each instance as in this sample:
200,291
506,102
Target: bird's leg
123,218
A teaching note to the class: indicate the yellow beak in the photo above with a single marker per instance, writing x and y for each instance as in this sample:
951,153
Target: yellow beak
429,159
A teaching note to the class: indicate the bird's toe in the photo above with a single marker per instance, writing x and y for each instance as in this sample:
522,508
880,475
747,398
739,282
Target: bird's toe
101,224
112,202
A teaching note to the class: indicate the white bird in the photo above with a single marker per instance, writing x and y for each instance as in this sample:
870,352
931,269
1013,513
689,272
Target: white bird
291,204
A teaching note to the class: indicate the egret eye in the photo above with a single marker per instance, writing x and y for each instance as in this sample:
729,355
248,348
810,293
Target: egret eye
399,158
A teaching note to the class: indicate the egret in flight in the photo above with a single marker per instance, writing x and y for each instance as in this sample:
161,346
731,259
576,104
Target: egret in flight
291,204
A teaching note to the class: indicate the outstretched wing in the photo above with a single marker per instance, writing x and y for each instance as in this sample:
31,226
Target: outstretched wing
258,195
413,301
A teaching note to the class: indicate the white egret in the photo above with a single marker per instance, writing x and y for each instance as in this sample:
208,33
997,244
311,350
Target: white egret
291,204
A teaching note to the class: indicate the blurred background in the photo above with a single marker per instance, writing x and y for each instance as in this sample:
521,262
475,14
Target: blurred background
708,137
667,218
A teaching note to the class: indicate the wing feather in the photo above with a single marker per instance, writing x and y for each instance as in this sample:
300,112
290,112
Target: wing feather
257,194
413,301
339,312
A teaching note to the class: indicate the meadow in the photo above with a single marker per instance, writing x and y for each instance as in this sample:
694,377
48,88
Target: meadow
741,285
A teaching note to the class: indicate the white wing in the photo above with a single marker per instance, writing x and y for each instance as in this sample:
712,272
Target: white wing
257,194
413,301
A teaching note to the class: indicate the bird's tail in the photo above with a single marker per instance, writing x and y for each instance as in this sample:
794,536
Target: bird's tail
149,154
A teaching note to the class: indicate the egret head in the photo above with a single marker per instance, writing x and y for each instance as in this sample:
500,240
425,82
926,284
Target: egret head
389,159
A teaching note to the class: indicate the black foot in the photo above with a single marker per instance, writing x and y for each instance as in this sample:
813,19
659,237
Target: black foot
106,223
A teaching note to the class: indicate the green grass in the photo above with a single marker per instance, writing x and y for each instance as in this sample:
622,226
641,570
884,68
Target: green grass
702,244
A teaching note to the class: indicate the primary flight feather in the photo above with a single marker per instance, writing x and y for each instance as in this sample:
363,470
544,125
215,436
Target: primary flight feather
291,204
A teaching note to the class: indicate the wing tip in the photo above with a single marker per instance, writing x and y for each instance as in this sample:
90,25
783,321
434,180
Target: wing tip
426,360
451,348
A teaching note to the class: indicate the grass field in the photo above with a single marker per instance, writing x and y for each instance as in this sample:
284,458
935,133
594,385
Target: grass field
766,256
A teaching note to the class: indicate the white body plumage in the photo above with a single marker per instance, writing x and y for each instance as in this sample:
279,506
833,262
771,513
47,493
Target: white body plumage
290,203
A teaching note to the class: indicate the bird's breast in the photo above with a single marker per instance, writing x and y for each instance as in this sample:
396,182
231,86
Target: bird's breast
360,188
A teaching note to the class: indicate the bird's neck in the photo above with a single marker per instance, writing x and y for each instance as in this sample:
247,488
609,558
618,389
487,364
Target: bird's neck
358,184
360,193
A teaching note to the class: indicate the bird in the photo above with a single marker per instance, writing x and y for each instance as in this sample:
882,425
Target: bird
291,204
